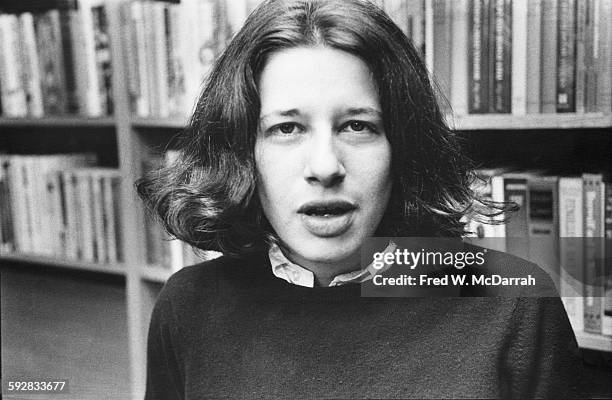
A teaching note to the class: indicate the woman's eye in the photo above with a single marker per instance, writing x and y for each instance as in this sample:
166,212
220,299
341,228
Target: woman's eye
358,126
285,128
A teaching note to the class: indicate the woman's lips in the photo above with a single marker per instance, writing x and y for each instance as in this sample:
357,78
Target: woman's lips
327,219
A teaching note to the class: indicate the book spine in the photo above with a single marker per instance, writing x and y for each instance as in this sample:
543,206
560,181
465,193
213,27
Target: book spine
515,190
593,257
11,85
30,64
8,229
49,44
566,57
109,219
86,233
581,55
141,91
534,56
442,27
590,59
68,60
571,250
519,58
103,57
478,65
501,57
88,86
549,56
606,322
161,57
98,218
603,54
543,225
459,61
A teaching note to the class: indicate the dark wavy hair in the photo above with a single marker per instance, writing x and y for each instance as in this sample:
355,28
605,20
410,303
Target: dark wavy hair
208,199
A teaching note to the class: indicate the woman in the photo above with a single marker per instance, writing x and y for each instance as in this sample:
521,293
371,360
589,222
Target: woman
318,128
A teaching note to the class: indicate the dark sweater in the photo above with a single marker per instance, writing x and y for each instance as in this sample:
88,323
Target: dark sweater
230,329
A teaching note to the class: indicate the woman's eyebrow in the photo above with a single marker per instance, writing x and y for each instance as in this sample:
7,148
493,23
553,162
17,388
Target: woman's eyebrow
361,111
281,113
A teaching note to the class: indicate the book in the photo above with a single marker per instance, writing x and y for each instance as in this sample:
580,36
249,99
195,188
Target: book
103,56
459,59
566,56
500,57
478,57
442,47
593,251
519,88
50,46
87,78
606,320
543,224
29,63
534,59
517,231
571,244
548,91
12,91
603,54
581,55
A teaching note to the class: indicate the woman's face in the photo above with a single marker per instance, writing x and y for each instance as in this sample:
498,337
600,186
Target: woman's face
322,157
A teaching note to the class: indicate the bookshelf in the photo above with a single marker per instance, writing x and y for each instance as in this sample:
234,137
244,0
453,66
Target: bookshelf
125,139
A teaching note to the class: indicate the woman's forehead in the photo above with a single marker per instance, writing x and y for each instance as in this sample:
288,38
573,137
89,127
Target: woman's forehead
298,79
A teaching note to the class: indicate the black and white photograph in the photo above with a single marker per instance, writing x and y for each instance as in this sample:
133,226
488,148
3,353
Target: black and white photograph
305,199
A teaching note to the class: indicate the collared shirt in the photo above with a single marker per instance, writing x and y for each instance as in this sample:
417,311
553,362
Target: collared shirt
284,269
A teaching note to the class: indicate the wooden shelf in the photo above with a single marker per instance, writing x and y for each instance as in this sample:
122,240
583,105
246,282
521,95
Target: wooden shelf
112,269
164,123
155,273
59,122
530,121
594,342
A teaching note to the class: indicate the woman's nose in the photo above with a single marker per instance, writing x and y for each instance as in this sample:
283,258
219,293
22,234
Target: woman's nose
323,162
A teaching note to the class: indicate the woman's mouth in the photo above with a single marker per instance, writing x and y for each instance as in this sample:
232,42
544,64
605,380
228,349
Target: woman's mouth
327,218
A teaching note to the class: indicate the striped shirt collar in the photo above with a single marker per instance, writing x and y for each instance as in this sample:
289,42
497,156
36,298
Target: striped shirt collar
284,269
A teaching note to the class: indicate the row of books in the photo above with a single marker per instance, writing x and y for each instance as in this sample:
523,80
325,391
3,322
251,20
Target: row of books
564,225
162,250
60,206
523,56
56,62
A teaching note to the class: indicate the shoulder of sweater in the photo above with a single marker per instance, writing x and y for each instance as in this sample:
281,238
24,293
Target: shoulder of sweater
204,279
